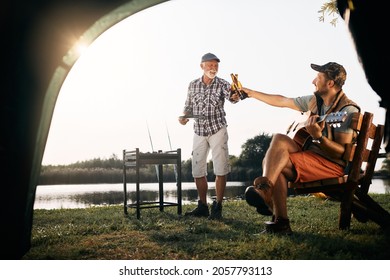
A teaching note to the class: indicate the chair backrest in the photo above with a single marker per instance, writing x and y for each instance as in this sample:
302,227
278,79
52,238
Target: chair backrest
363,153
370,153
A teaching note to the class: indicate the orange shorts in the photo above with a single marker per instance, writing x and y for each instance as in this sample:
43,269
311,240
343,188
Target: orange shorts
311,166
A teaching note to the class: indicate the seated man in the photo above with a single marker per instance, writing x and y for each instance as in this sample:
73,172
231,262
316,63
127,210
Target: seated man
319,158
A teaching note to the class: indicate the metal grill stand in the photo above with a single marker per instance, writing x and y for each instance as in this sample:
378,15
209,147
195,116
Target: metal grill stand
135,159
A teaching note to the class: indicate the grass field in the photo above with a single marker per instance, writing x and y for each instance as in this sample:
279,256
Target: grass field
105,233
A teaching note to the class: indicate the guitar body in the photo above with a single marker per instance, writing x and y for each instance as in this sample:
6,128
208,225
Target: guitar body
302,137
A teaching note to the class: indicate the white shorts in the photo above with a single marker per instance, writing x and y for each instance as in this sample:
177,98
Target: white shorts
218,144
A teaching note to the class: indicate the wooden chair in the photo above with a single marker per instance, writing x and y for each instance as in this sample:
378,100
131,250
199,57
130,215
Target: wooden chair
352,189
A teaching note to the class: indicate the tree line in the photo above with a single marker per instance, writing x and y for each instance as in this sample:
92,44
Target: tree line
244,168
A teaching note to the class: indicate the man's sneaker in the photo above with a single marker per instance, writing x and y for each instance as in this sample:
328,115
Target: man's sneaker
216,211
280,226
201,211
260,195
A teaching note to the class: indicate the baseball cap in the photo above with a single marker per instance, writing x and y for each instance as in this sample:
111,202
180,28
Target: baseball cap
333,70
209,56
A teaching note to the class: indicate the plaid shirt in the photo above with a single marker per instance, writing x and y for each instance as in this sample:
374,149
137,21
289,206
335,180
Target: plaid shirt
207,101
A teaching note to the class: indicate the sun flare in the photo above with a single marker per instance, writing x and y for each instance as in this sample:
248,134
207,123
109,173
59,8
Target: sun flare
81,48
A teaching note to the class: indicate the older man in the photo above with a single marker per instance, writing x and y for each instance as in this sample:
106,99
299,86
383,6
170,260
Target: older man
205,102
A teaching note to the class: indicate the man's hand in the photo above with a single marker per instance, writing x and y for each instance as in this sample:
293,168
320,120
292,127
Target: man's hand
183,120
314,127
235,97
236,89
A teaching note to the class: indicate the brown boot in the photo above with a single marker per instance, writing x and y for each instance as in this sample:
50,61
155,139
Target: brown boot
279,226
254,199
263,187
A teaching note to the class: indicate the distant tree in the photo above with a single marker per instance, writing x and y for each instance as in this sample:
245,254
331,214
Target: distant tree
253,152
112,162
97,170
186,170
236,170
385,168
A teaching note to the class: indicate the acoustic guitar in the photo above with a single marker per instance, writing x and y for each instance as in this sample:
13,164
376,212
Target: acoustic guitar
301,136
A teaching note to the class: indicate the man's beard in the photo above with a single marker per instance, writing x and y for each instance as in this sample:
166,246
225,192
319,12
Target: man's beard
318,92
211,74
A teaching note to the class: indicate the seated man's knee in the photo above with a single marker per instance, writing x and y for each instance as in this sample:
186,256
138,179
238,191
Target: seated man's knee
280,138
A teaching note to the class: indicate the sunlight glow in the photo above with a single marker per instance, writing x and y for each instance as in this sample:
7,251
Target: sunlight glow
81,48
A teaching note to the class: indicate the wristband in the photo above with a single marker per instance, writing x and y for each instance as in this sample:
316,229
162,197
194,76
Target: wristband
318,140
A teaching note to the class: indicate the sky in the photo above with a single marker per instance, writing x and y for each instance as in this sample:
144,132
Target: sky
128,88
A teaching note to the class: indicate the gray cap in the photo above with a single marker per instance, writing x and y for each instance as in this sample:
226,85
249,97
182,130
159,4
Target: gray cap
333,70
209,56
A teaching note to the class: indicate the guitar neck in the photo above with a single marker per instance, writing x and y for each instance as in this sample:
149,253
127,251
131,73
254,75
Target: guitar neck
334,118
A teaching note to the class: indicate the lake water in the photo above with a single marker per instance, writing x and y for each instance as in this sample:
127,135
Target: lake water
82,196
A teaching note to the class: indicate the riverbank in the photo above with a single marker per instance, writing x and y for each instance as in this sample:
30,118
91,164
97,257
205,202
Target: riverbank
105,233
87,195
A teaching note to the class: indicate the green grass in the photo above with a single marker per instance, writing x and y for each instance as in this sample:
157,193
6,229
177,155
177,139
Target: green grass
105,233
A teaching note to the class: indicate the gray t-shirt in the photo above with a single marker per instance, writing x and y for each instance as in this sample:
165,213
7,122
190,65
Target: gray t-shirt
303,105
